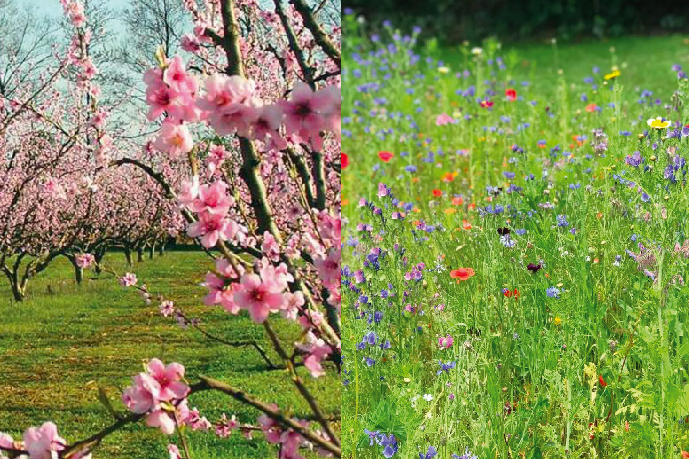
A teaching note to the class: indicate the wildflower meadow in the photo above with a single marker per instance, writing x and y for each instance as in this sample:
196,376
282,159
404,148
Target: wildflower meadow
514,259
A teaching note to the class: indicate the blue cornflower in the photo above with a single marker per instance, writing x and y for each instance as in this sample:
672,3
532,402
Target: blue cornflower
390,444
446,367
372,435
553,292
410,168
430,454
562,221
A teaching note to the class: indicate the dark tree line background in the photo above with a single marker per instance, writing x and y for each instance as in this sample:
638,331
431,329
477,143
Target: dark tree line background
453,21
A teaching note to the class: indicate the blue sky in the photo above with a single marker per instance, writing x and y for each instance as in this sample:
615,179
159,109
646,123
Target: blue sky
54,9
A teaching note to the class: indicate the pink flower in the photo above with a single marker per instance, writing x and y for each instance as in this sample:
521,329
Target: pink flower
177,78
128,280
210,228
233,118
444,119
212,199
329,268
42,441
270,247
302,115
169,378
271,429
84,260
143,395
445,342
190,44
167,308
161,419
258,296
174,139
174,451
224,427
266,127
189,192
223,90
6,441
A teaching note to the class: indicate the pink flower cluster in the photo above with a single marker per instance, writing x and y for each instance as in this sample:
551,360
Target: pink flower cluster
259,293
84,260
230,105
211,203
289,440
159,392
41,443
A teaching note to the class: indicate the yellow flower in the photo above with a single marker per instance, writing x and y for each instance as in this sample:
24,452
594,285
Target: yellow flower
612,75
658,123
443,69
557,321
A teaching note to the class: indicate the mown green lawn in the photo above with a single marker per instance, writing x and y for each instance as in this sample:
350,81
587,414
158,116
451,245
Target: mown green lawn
65,341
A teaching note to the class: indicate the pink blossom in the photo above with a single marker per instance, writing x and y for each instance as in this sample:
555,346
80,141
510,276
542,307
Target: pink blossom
128,280
444,119
259,296
189,192
190,43
219,293
329,268
169,378
212,199
270,247
445,342
177,78
174,139
42,441
223,90
210,228
163,420
302,116
224,427
167,308
267,124
174,451
6,441
84,260
143,395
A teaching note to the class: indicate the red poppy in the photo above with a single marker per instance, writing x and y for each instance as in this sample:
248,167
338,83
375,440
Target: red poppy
344,160
602,381
511,94
511,293
466,225
462,274
457,201
437,193
486,103
591,108
448,177
385,156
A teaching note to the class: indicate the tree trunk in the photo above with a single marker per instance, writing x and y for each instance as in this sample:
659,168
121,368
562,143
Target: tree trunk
128,255
78,271
140,254
161,248
151,250
99,255
17,291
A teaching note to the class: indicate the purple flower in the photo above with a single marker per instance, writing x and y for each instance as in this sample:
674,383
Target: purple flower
634,159
467,455
390,444
430,454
